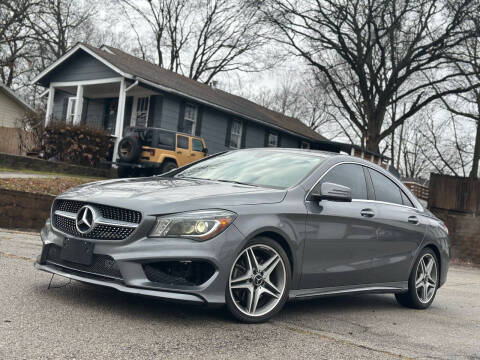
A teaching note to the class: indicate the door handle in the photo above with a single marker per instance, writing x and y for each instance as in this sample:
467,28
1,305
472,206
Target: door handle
192,154
413,220
179,152
367,213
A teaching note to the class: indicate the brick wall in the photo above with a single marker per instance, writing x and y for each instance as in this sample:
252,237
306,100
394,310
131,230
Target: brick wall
464,231
21,210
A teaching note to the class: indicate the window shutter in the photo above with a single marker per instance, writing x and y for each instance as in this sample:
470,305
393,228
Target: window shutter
198,126
244,134
64,109
181,116
229,131
267,132
151,110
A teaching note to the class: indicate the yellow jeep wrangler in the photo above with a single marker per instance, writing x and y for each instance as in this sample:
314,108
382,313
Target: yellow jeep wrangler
150,151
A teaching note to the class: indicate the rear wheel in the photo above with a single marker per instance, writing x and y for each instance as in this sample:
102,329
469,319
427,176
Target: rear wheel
423,282
259,281
168,166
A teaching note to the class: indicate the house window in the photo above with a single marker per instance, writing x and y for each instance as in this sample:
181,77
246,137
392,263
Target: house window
140,111
272,140
305,145
71,110
190,119
236,134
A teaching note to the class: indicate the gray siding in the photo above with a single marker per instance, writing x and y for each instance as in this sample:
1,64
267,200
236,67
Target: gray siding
255,135
214,129
289,141
82,67
95,112
169,114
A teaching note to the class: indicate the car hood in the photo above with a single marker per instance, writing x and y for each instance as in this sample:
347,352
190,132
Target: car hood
157,195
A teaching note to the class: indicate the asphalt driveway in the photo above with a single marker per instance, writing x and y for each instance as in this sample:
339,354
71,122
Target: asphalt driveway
77,321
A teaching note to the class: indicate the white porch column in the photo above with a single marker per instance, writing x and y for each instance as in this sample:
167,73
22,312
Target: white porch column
49,111
120,118
78,105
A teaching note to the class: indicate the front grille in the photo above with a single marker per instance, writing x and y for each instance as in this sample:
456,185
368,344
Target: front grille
108,212
102,265
66,222
100,232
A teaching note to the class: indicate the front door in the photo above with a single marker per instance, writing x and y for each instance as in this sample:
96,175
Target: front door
197,150
341,242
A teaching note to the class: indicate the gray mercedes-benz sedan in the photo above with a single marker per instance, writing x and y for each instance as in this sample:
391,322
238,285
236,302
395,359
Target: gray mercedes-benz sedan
251,229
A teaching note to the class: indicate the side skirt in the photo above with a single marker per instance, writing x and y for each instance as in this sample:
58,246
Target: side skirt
393,287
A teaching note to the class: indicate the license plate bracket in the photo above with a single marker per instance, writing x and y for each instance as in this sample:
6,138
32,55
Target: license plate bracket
77,251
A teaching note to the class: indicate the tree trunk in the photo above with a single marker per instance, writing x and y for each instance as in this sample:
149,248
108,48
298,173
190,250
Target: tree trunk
476,154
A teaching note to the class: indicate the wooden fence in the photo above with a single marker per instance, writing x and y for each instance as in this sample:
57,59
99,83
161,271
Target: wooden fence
454,193
9,141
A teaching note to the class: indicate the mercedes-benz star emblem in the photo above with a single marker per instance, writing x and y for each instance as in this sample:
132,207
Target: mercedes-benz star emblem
85,221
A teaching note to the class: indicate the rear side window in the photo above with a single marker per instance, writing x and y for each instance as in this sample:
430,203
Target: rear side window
182,142
166,140
406,201
197,145
385,189
350,175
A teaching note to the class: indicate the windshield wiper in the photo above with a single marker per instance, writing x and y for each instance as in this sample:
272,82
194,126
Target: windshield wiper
237,182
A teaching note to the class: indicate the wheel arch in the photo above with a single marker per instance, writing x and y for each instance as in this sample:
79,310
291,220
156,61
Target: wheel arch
279,237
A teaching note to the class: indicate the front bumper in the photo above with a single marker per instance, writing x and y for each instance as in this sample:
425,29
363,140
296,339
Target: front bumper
132,255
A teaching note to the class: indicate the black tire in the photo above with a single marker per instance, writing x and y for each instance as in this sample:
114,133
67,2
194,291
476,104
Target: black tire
412,298
129,149
124,172
168,165
230,301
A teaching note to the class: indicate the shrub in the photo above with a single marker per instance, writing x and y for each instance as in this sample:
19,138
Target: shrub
77,144
30,131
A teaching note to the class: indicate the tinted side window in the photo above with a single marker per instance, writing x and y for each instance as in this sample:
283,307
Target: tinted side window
182,142
406,201
197,145
350,175
385,189
166,140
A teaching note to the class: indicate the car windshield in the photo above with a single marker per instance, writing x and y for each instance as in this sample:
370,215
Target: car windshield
280,169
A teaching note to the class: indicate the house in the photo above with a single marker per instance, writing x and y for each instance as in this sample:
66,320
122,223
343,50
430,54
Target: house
12,109
111,89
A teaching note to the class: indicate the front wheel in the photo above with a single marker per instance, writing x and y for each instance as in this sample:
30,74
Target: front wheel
423,282
259,281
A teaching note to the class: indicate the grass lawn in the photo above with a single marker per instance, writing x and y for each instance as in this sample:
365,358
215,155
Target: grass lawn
48,186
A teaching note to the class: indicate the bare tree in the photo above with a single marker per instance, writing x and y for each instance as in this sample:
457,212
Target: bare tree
200,39
58,25
375,52
14,38
466,106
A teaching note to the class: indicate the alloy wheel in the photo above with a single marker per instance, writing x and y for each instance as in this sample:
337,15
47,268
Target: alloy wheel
257,280
426,278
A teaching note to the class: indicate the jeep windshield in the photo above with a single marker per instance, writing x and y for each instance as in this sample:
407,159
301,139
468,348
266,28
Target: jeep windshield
280,169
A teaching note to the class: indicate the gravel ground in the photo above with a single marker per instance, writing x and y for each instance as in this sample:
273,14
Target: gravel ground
77,321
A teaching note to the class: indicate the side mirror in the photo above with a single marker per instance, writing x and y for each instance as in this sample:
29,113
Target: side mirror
331,191
205,151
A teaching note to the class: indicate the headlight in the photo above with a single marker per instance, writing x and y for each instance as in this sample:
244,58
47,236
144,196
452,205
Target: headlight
196,225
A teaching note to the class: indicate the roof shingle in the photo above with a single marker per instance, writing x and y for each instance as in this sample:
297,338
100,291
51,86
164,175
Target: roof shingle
191,88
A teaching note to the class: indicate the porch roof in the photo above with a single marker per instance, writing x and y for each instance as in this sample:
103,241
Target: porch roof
134,68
